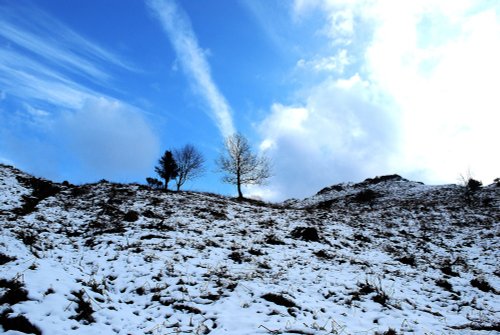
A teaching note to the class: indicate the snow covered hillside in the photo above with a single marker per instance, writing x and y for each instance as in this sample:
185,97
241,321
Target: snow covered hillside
386,256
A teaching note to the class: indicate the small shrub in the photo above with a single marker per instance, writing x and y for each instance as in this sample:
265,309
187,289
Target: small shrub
366,288
278,300
27,237
327,204
15,292
29,205
154,183
84,309
255,252
361,237
186,308
5,259
471,186
131,216
309,234
381,297
366,196
149,214
329,189
17,323
237,257
381,179
273,240
217,214
43,189
389,331
482,285
444,284
408,260
140,290
79,191
448,270
474,185
323,254
50,290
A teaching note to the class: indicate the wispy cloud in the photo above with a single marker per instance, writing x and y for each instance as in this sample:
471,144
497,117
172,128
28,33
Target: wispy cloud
192,58
34,31
56,103
42,59
28,79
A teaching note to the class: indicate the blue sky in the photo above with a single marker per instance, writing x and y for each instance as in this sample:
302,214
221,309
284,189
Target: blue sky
330,90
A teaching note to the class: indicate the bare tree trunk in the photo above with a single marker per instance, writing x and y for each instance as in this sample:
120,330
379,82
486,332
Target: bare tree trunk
238,182
240,195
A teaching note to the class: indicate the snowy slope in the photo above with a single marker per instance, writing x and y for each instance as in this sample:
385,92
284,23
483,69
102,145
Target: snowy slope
123,259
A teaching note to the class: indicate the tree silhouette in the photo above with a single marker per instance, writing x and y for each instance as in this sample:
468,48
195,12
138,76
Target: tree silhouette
190,164
242,167
167,168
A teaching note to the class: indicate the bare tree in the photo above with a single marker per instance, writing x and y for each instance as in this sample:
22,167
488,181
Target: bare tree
242,167
167,168
189,163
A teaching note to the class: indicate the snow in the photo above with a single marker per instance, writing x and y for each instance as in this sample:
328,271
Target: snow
200,263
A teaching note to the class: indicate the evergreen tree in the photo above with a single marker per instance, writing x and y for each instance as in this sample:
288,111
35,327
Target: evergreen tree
167,168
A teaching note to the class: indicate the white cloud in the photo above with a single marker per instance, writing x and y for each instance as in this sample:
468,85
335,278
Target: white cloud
339,133
110,139
336,63
105,138
6,161
440,64
193,60
423,102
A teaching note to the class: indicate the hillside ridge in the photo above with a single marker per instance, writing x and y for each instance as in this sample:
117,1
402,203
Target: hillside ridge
384,256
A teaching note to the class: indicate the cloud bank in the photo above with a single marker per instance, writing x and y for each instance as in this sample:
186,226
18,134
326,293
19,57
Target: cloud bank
178,28
340,133
110,139
403,88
